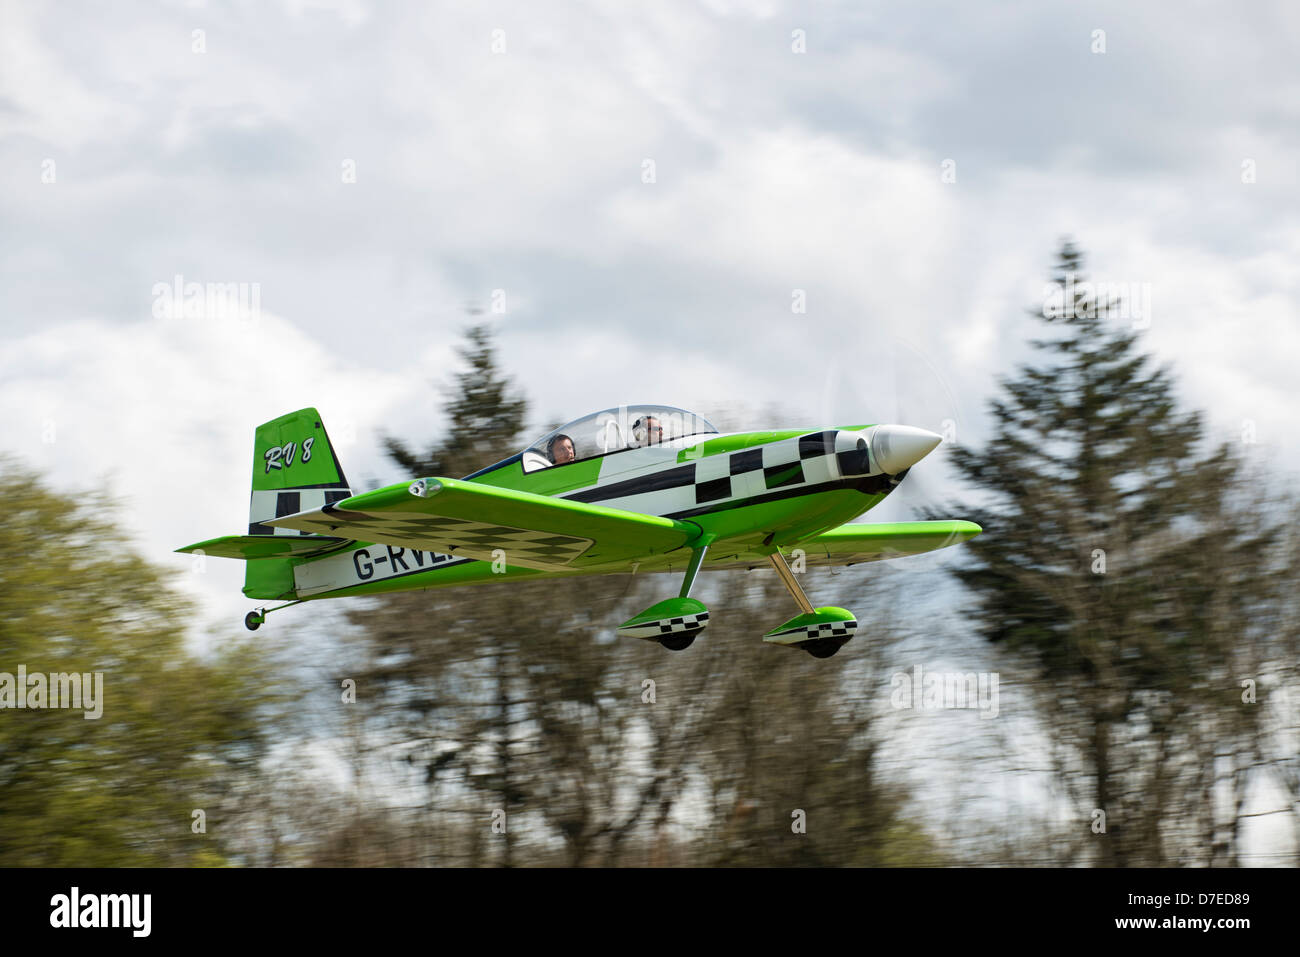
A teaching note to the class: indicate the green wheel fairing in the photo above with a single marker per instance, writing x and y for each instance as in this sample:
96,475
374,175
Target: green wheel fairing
829,615
671,617
821,633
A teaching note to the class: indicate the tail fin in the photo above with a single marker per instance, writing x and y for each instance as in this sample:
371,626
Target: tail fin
294,469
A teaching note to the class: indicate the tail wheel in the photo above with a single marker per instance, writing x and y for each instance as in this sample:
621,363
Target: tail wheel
253,620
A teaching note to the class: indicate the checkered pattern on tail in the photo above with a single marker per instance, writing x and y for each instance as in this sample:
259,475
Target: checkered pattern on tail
267,504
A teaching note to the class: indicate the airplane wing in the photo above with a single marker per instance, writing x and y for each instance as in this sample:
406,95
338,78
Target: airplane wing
862,542
868,542
473,520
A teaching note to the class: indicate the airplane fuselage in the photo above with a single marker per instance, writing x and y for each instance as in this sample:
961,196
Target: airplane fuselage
741,490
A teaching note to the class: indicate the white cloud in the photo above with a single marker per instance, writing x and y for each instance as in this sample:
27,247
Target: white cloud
164,410
475,171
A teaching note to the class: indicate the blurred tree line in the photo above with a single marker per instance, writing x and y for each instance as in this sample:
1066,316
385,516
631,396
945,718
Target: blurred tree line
531,735
175,734
1140,585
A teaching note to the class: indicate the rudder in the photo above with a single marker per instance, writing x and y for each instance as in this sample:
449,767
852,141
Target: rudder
295,469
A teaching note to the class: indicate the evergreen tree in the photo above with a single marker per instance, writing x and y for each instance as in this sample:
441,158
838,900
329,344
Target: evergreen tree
498,692
1111,563
513,697
484,417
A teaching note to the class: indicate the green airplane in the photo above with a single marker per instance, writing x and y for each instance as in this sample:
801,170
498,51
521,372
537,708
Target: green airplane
634,489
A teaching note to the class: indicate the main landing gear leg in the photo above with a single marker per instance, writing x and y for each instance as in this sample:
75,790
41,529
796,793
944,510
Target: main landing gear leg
675,622
791,583
693,569
819,631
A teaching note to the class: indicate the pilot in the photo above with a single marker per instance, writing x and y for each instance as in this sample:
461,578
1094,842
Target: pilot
560,449
647,431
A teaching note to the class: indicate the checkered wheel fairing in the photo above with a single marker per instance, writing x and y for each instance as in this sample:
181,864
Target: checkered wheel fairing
826,624
823,629
676,625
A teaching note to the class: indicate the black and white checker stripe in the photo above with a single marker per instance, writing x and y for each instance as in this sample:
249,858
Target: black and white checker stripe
277,503
748,473
776,468
815,630
672,626
667,487
676,625
826,629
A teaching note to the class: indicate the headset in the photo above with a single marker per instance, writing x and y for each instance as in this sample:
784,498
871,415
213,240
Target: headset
641,431
550,447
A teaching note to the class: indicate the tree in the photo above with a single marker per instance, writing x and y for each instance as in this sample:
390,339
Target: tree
484,417
501,697
791,755
1114,562
175,735
516,697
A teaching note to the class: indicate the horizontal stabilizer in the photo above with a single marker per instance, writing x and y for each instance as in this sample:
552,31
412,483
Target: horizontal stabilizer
265,546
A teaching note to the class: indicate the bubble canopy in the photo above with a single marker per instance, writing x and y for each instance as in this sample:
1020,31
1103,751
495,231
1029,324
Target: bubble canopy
614,430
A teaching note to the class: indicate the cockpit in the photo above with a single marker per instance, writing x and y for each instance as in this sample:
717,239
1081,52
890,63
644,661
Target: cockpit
615,430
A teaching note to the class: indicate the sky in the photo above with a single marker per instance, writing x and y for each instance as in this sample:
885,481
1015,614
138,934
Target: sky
637,197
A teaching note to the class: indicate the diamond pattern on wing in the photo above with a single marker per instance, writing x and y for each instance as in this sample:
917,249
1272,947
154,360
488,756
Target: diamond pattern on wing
480,536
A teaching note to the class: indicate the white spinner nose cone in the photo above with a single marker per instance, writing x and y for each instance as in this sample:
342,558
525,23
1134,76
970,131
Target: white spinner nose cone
899,447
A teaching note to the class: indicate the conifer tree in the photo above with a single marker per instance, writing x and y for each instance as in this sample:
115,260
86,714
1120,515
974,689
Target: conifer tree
1108,536
513,697
490,688
485,417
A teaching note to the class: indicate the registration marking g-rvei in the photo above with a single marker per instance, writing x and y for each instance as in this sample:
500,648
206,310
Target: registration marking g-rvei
370,563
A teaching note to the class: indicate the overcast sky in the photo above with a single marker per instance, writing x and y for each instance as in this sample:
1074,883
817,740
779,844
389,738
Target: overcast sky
377,169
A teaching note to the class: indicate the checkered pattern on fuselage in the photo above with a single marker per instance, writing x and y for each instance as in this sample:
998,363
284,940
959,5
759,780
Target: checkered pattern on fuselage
679,489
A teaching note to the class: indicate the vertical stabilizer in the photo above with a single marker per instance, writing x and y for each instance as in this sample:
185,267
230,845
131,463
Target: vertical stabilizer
294,469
